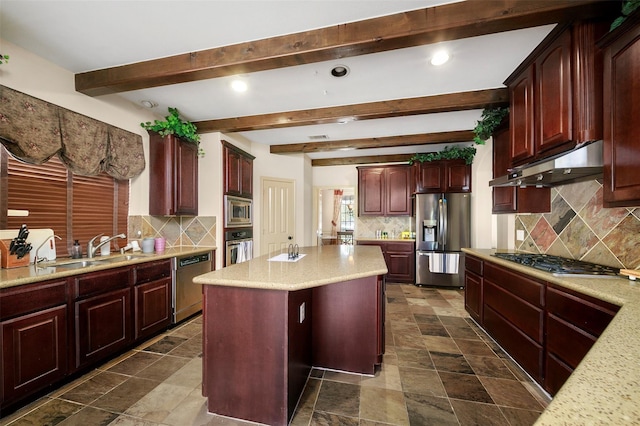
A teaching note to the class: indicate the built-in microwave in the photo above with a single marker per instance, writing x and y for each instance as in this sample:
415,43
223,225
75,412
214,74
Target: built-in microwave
237,212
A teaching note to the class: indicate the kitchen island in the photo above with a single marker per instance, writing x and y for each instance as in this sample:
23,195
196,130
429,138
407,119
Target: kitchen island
267,322
605,386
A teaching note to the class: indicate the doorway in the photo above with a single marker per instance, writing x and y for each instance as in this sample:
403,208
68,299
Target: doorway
278,215
334,215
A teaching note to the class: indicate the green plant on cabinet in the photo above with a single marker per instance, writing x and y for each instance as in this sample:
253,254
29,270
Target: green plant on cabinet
174,125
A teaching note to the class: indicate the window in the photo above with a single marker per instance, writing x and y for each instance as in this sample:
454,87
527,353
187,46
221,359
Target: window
75,207
346,213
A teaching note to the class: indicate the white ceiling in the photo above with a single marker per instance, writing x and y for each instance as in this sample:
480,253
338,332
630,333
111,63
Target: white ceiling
88,35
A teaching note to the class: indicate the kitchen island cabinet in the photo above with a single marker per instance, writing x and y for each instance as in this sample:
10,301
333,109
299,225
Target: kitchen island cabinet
400,257
267,323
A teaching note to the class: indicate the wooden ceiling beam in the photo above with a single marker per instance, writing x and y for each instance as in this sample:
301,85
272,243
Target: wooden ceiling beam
382,142
402,30
478,99
371,159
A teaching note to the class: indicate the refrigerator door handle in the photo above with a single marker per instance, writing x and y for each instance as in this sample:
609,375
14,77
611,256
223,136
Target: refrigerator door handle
442,210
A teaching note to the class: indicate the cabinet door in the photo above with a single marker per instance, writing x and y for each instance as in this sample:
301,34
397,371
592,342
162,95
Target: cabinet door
34,352
186,178
401,262
553,95
621,128
371,189
153,307
521,115
429,177
232,172
246,177
473,295
457,177
103,326
398,191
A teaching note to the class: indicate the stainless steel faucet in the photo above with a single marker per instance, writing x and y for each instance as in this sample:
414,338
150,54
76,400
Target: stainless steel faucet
91,250
37,259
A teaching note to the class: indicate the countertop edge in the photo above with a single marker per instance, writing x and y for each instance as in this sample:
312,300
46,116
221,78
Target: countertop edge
605,387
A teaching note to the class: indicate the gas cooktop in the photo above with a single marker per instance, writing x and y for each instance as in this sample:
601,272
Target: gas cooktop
560,266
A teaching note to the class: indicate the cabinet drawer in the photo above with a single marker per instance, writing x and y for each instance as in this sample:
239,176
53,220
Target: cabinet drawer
474,265
525,288
522,348
567,342
28,298
473,295
400,247
587,313
518,312
152,271
101,282
556,373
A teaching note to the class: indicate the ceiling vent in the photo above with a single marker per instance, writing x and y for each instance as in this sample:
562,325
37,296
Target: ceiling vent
319,137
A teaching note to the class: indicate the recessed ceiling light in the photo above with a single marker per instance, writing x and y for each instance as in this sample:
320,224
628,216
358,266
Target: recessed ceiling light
239,86
439,58
340,71
148,104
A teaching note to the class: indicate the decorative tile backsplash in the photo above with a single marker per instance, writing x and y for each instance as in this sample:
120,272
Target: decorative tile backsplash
578,227
178,231
366,226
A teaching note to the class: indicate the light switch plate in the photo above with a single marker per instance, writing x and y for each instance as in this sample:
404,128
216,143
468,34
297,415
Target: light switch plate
302,313
520,235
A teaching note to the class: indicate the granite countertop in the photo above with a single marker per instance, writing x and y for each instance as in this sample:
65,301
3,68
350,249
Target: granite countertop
605,388
319,266
52,270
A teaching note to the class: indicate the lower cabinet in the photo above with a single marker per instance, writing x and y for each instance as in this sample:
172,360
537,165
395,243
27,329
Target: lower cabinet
33,326
103,326
400,257
547,329
574,323
52,329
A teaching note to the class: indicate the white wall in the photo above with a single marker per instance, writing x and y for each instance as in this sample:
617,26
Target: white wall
483,229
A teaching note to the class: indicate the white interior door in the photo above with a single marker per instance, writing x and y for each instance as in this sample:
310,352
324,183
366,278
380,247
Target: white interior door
278,215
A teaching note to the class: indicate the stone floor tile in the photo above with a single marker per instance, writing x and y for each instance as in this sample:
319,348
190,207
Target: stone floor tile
135,363
474,347
89,416
52,413
441,344
474,413
423,382
417,358
125,395
189,376
453,363
489,366
166,344
159,402
94,388
387,378
429,410
304,411
328,419
339,398
510,393
464,386
383,405
520,417
162,368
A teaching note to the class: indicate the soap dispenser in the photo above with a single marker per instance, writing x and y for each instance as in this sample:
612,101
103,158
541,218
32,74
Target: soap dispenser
76,250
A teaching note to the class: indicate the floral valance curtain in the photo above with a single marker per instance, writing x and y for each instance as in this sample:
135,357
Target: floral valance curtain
34,130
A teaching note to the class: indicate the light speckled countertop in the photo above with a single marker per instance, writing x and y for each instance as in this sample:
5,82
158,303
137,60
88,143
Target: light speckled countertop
320,265
605,388
31,274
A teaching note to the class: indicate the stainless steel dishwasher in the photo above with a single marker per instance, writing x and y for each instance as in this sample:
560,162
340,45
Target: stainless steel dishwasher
186,295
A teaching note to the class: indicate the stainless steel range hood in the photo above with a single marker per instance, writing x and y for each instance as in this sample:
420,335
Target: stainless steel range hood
584,162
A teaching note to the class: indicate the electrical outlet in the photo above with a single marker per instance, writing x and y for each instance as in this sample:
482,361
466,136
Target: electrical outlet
520,235
302,312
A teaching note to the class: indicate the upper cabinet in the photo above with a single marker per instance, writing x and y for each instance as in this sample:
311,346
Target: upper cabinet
556,94
385,190
511,199
442,176
173,176
238,171
621,185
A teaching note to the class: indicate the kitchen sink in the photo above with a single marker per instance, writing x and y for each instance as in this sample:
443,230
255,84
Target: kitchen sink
76,265
83,263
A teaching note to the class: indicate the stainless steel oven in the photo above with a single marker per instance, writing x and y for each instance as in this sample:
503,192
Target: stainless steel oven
238,246
237,212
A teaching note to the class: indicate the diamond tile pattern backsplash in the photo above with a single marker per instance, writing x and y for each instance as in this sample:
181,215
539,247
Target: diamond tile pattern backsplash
578,227
366,226
178,231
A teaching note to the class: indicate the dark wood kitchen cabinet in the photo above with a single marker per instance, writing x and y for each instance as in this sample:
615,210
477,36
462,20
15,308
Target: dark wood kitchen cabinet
511,199
385,190
473,287
238,171
513,314
573,324
556,93
35,338
400,257
173,176
102,314
621,184
442,176
152,298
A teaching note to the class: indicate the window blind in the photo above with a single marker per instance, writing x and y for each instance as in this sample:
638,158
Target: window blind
75,207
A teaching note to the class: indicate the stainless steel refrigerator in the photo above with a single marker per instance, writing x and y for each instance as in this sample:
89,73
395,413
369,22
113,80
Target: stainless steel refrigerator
443,228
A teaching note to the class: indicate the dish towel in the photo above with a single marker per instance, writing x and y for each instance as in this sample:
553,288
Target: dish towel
444,263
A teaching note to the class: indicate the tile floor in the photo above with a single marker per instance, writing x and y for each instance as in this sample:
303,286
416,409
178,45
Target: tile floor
439,369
